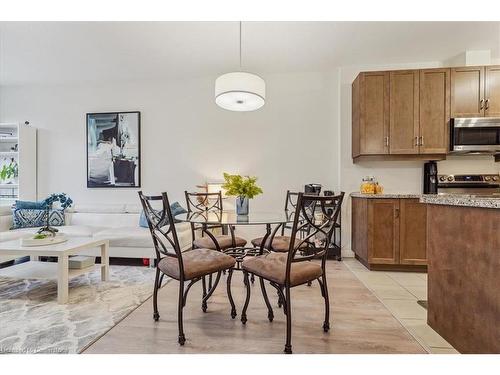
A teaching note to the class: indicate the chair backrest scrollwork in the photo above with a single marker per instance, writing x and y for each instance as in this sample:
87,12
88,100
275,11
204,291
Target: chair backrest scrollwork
200,203
318,233
161,225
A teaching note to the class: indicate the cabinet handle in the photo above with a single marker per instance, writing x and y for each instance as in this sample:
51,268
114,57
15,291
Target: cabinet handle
416,142
481,104
386,139
421,140
487,102
396,213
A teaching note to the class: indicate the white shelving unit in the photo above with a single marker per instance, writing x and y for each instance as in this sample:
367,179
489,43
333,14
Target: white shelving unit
18,144
18,147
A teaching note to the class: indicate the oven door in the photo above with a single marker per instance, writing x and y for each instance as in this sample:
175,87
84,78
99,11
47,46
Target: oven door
475,135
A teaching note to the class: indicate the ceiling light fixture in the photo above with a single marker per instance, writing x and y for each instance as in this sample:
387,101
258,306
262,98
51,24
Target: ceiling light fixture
240,91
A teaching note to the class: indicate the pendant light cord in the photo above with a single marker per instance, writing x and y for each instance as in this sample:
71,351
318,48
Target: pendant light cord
240,45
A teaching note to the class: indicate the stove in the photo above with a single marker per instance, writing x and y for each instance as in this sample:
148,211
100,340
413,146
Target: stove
470,184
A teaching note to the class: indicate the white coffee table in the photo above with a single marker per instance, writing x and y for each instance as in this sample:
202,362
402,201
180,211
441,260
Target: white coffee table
49,270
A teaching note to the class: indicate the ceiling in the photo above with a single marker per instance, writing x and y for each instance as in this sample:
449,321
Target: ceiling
71,52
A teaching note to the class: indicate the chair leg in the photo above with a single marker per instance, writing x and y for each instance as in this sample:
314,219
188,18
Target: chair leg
156,315
326,323
204,287
252,278
288,303
210,291
229,294
270,314
280,300
182,338
247,299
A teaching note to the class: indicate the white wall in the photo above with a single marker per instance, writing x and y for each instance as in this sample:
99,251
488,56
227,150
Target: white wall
186,138
395,176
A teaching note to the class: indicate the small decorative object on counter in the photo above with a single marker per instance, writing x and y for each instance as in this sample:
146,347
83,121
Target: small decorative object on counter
244,188
379,189
368,185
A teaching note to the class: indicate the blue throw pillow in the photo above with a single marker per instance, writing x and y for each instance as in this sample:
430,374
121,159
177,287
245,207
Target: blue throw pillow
31,218
175,207
38,205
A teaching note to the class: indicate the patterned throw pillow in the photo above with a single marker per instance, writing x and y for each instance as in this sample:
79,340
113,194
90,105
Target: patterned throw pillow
175,207
31,218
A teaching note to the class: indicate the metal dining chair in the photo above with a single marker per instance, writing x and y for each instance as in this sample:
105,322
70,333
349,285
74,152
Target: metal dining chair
285,271
204,202
192,265
281,243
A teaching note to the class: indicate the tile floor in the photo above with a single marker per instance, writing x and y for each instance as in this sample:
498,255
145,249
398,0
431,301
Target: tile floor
399,292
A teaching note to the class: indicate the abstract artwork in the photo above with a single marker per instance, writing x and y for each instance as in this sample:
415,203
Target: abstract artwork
113,149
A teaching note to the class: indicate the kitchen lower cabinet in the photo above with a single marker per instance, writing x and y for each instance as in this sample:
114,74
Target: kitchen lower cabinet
413,232
389,233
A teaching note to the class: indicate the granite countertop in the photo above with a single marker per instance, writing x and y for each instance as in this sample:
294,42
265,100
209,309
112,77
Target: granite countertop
448,199
461,200
386,196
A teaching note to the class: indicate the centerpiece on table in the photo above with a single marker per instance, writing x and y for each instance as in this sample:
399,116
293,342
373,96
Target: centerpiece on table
243,188
48,235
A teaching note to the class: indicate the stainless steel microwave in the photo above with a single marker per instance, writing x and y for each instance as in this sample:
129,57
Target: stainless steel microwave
475,135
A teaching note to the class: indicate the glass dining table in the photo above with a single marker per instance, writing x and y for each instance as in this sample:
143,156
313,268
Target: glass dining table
209,219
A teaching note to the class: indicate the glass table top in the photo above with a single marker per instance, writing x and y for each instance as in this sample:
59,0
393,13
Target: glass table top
230,217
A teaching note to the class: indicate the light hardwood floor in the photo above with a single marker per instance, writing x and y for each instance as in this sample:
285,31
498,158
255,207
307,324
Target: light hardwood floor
360,323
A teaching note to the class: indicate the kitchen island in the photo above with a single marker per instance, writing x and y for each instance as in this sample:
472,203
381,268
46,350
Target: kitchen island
463,255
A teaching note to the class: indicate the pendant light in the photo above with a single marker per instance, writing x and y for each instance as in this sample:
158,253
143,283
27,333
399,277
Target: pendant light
240,91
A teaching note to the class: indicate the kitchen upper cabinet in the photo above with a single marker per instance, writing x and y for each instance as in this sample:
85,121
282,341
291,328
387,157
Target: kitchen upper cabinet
492,91
370,114
434,118
404,112
413,232
467,92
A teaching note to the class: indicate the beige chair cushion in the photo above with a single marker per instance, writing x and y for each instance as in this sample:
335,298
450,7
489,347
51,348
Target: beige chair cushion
280,243
272,267
197,262
224,242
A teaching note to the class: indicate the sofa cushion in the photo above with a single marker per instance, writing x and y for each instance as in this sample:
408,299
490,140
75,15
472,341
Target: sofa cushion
175,207
139,237
105,208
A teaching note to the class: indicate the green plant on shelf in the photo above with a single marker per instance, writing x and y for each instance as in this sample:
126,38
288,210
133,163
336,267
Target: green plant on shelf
9,171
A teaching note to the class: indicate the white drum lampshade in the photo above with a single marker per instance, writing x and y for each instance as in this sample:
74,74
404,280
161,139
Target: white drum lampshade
240,91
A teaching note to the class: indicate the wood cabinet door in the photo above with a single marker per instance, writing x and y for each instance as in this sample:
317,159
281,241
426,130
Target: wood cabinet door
434,111
373,116
467,92
492,91
413,232
383,231
403,116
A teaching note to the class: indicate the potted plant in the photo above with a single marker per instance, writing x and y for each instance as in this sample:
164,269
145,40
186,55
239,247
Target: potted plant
243,188
9,172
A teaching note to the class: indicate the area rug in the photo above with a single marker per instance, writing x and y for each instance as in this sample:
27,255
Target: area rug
31,321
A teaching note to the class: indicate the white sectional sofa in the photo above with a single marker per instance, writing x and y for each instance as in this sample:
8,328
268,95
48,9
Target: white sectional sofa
119,223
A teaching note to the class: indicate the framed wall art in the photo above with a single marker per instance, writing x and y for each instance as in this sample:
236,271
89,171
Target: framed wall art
114,150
